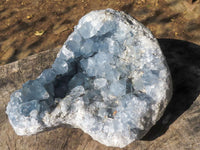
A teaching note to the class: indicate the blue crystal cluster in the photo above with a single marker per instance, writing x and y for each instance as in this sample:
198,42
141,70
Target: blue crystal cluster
110,79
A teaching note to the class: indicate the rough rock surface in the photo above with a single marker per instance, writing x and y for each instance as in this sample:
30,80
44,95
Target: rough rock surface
110,79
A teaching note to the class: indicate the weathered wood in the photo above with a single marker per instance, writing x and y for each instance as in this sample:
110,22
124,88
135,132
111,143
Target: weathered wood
183,132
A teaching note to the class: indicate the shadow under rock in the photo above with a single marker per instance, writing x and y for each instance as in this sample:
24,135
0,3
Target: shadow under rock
183,59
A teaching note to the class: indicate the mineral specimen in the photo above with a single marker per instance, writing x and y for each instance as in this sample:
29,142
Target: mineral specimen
109,79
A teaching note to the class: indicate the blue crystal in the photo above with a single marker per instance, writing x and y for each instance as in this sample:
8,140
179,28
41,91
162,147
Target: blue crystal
110,79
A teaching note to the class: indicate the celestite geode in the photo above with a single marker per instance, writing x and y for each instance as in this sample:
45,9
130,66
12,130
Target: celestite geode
109,79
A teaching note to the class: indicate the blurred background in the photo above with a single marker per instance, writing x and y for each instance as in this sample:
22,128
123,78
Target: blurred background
31,26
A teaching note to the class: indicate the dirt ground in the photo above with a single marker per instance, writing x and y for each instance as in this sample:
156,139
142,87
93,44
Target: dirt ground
28,27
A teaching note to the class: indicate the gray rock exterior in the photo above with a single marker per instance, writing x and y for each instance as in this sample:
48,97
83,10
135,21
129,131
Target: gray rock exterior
109,79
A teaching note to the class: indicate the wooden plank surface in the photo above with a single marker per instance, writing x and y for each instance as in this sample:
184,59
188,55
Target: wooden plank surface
178,129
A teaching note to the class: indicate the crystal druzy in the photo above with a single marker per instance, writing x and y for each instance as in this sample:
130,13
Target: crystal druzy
109,79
